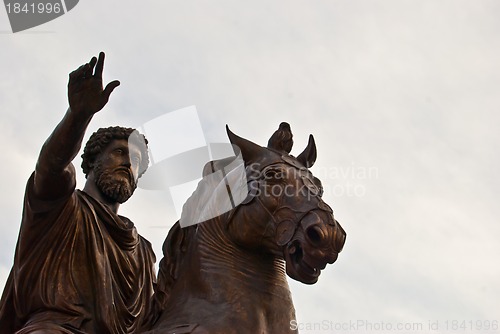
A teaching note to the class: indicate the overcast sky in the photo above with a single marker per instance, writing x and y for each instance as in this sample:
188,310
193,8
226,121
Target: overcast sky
401,96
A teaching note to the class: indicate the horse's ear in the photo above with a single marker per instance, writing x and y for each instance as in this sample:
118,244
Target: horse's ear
250,151
308,157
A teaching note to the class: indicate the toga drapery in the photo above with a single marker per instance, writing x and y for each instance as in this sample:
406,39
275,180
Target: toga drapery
78,268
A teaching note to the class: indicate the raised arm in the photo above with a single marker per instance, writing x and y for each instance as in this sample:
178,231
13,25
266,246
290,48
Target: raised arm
54,173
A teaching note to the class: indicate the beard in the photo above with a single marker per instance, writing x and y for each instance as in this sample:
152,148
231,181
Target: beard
113,188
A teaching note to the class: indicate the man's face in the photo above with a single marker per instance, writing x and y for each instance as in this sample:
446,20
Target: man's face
116,170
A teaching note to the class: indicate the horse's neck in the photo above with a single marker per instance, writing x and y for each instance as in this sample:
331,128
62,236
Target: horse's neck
242,269
222,280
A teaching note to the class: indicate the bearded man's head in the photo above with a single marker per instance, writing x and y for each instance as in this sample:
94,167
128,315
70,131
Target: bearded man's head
114,188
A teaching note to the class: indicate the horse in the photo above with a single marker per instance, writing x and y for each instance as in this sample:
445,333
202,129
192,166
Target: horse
228,274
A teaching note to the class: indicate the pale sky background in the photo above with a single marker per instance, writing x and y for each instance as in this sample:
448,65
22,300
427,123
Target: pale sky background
402,97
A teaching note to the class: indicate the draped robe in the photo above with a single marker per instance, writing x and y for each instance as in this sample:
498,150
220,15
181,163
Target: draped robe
78,268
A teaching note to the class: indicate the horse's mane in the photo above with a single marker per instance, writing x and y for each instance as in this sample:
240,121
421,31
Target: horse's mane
177,242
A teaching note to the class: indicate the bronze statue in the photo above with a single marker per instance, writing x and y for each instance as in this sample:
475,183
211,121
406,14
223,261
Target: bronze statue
227,274
79,267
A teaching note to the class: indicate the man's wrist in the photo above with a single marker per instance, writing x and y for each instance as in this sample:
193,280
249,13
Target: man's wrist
80,112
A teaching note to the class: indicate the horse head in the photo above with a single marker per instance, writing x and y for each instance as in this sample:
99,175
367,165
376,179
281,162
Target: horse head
284,213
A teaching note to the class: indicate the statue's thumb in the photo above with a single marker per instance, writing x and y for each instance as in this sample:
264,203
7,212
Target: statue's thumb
110,87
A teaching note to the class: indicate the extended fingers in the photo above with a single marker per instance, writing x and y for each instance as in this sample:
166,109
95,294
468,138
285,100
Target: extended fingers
92,64
100,65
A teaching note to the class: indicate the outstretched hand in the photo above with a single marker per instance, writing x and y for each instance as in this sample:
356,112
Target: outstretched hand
85,89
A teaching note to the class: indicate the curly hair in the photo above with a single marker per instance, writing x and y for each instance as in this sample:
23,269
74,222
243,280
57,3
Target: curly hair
102,137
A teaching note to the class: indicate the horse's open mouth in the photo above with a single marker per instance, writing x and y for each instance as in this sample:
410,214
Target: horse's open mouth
296,266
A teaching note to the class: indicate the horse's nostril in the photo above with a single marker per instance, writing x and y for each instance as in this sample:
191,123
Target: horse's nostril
314,234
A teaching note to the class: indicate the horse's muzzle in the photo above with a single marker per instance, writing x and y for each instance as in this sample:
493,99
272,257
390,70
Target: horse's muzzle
316,244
